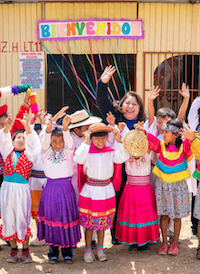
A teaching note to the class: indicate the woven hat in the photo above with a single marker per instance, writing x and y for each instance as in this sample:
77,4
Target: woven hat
100,127
135,143
82,118
3,109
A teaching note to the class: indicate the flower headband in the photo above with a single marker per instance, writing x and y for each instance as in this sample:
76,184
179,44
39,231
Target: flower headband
169,127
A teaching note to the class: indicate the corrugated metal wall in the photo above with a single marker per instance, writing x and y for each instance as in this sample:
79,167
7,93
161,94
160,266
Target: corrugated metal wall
168,27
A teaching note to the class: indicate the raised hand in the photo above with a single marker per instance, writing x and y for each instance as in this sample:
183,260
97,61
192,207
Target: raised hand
121,126
66,121
154,93
87,136
24,121
116,134
107,74
190,135
48,122
41,114
185,91
8,123
60,113
110,118
139,126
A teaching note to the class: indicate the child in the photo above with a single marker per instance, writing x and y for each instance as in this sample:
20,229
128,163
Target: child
137,220
97,198
19,156
171,168
58,221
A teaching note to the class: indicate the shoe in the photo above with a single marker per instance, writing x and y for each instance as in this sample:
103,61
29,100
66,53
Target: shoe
163,249
36,242
194,235
144,248
102,256
133,249
88,257
53,260
173,249
12,257
8,243
93,245
26,257
68,260
115,241
198,254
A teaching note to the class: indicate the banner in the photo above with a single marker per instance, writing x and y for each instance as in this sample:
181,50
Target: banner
92,28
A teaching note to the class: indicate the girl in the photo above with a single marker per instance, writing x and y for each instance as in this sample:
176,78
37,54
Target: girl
97,198
19,156
58,220
137,220
129,110
171,168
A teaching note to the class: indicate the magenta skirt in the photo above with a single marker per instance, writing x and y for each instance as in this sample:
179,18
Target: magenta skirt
137,220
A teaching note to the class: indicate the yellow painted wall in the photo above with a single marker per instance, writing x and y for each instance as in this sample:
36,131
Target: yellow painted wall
168,27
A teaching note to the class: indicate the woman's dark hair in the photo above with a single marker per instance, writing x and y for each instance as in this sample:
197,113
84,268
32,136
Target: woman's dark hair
166,112
4,115
99,134
118,104
37,127
176,123
21,130
58,131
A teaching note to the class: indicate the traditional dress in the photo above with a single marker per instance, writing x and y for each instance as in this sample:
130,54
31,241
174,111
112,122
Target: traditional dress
137,220
97,203
58,220
171,168
15,190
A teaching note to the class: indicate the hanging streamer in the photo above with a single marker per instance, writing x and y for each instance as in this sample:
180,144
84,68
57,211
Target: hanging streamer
100,60
127,71
113,79
95,73
124,84
115,62
61,71
86,75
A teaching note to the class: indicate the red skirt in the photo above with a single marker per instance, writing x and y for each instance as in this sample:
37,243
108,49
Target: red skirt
137,220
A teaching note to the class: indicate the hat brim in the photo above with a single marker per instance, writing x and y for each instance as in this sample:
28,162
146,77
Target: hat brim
102,129
89,121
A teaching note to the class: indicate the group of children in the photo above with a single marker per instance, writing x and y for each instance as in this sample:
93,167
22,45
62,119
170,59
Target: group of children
79,173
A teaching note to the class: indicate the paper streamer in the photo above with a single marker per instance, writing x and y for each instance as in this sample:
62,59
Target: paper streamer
100,60
95,73
113,79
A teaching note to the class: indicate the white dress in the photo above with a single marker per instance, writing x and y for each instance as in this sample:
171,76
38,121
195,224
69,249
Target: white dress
15,196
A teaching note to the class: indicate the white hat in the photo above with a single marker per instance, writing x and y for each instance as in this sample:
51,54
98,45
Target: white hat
82,118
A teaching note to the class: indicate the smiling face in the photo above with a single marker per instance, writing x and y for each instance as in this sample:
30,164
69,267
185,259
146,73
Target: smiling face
169,137
57,143
19,142
130,108
79,131
99,141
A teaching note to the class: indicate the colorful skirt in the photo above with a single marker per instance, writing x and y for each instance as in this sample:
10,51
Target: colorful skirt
172,199
36,181
197,204
15,211
97,204
137,220
58,220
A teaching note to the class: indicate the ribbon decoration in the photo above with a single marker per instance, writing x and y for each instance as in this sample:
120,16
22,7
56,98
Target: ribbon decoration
61,71
124,84
95,73
127,71
113,79
100,60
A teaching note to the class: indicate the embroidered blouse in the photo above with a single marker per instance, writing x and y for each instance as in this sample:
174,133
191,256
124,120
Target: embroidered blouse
171,165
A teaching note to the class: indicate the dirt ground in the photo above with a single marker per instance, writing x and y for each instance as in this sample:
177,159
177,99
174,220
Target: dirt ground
119,260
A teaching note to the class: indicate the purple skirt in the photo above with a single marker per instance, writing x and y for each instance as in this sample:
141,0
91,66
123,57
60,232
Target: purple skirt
58,218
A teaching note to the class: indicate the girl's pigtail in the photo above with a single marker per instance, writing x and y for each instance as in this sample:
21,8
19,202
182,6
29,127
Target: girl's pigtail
178,141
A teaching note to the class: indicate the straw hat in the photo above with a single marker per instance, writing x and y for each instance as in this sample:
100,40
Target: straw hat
82,118
135,143
100,127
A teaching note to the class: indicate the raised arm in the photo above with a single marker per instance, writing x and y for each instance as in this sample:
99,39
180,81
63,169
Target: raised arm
82,151
186,97
66,134
153,94
103,99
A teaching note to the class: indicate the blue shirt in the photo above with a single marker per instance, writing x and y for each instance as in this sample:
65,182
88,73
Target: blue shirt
130,123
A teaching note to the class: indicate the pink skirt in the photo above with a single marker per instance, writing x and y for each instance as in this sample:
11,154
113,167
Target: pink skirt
137,220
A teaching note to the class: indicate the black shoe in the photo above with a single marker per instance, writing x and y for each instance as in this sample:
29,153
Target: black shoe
115,241
68,260
8,243
144,248
198,254
53,260
133,249
93,245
